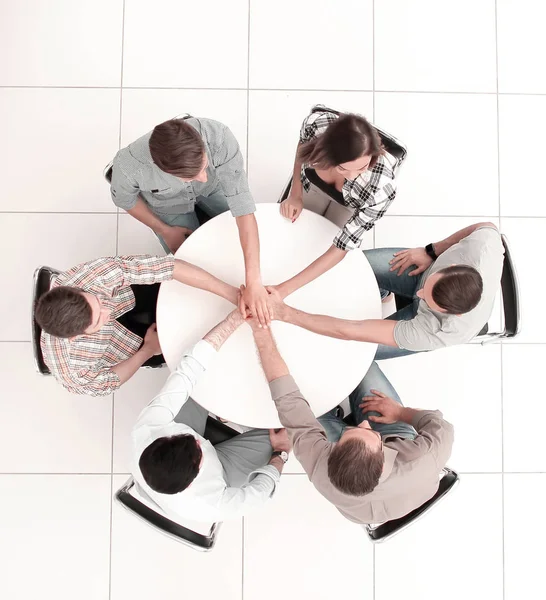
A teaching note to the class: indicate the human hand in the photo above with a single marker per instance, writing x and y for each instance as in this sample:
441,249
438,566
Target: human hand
276,304
279,440
174,236
414,256
390,410
151,341
291,207
255,297
280,289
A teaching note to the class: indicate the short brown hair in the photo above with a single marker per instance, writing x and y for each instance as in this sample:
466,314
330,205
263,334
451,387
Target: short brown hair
458,290
63,312
349,137
177,148
354,468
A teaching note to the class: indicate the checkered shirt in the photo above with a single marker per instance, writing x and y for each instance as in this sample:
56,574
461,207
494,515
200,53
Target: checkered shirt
83,365
370,194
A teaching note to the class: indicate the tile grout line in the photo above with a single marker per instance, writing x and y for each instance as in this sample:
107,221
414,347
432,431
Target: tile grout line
247,175
117,251
113,213
373,99
120,107
501,345
244,89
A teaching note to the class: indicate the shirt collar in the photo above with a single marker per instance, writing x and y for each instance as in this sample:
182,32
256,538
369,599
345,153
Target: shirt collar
389,456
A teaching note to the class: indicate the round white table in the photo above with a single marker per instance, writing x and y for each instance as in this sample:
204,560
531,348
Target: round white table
326,369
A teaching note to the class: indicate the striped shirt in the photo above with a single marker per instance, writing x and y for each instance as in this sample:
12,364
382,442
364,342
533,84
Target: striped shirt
134,174
370,194
83,365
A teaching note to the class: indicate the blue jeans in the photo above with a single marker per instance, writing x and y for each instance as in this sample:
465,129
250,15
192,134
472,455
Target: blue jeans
373,380
212,205
403,285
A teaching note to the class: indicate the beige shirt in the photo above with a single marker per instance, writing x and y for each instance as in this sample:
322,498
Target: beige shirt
411,470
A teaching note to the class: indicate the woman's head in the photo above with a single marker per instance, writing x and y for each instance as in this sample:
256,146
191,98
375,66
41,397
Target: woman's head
350,144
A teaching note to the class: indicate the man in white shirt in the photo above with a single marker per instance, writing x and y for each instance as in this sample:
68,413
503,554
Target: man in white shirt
180,470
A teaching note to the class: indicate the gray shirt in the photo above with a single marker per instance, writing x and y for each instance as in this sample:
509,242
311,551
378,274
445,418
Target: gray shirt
411,467
430,330
134,173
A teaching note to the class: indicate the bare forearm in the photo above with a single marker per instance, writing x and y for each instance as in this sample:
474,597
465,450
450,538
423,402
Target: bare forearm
408,414
324,263
377,331
196,277
250,244
443,245
219,334
296,189
277,462
272,362
142,213
127,368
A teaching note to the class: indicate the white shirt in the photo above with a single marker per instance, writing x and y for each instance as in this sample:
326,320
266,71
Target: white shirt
208,498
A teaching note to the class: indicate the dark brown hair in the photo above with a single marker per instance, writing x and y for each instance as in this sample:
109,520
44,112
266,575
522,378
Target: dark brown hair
63,312
354,468
170,464
349,137
459,289
177,148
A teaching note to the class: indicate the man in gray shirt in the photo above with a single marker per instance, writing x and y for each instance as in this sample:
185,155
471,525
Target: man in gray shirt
162,176
382,469
452,297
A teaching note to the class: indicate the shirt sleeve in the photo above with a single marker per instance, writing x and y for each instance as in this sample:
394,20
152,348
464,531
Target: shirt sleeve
315,124
123,189
418,334
307,435
375,198
435,436
260,487
178,387
90,381
230,170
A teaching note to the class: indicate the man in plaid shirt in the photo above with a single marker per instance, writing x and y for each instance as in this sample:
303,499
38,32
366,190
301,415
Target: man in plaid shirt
90,340
343,156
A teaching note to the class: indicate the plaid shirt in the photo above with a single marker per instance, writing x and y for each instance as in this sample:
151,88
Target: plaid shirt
370,194
83,365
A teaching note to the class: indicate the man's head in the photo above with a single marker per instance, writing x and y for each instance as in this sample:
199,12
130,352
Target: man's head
170,464
178,149
356,462
454,290
66,312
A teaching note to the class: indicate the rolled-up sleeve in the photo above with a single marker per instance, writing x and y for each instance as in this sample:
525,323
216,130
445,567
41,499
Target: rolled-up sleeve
90,382
123,189
261,486
416,335
230,170
305,432
145,270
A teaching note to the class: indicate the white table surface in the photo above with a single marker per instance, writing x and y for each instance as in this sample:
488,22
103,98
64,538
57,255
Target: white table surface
326,369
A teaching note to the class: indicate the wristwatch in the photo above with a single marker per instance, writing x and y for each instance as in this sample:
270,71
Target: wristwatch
282,454
429,249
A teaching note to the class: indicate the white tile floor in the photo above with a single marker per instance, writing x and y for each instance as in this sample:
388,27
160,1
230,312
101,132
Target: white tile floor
464,86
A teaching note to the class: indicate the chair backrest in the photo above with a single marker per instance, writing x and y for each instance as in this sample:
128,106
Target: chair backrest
510,293
383,532
134,500
107,172
393,146
43,277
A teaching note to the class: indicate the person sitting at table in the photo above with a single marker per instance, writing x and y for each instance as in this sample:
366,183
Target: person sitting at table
98,318
382,469
344,152
452,299
180,470
162,176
